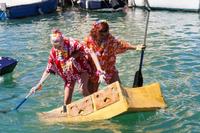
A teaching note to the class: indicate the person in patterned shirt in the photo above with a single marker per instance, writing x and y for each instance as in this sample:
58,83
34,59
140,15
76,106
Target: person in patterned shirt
68,60
106,48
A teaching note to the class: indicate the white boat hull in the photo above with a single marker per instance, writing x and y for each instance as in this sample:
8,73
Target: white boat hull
24,8
189,5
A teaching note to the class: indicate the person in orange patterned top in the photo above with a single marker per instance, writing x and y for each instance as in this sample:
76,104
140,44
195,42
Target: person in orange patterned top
67,59
106,48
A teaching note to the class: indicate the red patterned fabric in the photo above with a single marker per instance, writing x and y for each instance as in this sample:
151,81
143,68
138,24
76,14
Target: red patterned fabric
106,53
65,64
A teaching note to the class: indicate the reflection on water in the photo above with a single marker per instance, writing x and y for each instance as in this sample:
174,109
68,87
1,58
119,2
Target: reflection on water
171,58
7,80
1,79
102,126
119,124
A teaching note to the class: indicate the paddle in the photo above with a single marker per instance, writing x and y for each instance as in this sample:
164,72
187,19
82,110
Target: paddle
23,101
15,109
138,79
39,87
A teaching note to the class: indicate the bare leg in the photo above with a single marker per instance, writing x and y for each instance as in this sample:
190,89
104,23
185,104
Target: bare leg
68,92
93,87
84,84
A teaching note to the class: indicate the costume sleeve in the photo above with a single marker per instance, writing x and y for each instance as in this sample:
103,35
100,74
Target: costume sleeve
120,46
80,47
51,68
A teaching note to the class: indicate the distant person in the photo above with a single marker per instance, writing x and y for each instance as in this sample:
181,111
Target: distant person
106,48
68,59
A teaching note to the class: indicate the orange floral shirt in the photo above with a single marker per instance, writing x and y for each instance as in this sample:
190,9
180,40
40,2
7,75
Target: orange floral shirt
106,54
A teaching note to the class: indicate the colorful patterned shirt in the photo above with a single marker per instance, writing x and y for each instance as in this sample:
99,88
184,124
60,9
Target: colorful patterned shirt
106,54
63,62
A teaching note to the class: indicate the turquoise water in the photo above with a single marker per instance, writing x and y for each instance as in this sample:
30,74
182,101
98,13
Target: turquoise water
171,58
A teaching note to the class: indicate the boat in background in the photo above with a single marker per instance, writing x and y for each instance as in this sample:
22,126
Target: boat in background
101,4
7,65
112,101
186,5
24,8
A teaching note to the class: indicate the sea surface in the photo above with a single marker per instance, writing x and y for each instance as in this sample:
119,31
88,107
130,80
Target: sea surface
172,58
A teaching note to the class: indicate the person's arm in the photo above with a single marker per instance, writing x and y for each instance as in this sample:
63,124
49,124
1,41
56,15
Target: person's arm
83,48
39,84
45,75
92,54
136,47
100,72
122,46
95,60
50,68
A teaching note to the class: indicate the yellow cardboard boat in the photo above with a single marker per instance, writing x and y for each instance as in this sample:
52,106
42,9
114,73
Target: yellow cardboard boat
109,102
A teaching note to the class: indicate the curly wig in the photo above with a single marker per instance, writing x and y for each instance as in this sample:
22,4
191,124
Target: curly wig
98,26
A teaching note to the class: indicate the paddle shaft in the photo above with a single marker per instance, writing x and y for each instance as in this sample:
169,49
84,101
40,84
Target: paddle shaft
44,77
145,38
138,79
15,109
23,101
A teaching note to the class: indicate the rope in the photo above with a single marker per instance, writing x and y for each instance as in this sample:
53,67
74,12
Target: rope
147,5
199,7
134,3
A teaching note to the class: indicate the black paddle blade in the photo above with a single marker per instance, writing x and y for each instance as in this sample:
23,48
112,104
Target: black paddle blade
138,80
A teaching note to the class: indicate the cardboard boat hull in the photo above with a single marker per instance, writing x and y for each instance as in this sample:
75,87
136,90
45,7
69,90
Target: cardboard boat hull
108,103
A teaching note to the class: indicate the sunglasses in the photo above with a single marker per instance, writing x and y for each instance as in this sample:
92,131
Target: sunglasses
56,44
